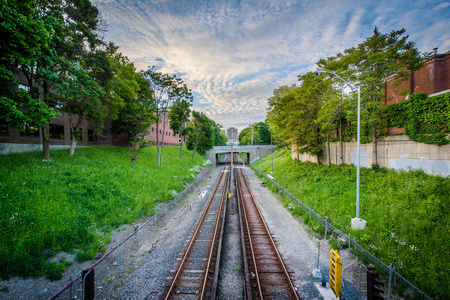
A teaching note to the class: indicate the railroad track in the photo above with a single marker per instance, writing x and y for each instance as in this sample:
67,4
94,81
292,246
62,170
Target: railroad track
196,276
266,276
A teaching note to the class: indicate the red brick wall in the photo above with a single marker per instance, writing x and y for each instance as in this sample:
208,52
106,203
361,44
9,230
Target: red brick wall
169,137
433,78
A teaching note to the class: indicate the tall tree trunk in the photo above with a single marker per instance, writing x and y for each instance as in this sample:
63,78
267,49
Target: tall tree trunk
157,136
340,141
193,152
46,127
73,131
133,157
162,139
181,146
374,147
328,150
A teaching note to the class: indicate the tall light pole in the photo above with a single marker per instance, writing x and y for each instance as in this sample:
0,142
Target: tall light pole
270,141
357,223
251,126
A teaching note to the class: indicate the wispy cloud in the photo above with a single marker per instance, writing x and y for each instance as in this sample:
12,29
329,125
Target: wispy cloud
232,54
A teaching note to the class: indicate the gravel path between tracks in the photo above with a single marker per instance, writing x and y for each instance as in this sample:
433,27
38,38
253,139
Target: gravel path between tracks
142,270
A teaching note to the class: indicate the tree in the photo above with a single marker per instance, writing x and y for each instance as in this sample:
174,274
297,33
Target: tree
200,133
245,136
137,116
279,113
23,37
369,64
179,116
167,90
220,136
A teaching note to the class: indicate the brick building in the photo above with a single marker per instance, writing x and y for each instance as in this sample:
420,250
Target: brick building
432,79
170,138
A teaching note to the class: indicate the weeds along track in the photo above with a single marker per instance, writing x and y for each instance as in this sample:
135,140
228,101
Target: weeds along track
266,276
195,276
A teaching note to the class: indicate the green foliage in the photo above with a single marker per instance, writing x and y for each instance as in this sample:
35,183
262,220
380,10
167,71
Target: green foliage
68,203
23,37
408,213
425,119
258,132
200,135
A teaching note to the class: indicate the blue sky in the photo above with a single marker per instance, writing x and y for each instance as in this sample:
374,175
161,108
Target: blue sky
233,54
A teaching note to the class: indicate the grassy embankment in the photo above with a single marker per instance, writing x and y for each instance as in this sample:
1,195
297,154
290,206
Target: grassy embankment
407,213
70,203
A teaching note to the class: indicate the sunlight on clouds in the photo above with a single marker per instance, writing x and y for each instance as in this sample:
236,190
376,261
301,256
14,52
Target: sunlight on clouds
232,54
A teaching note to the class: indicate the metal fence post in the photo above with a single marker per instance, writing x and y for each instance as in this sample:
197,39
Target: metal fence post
395,277
118,245
139,229
349,247
326,227
390,278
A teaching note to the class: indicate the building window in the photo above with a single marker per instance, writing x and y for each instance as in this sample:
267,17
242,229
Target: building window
29,130
56,131
92,137
153,129
3,127
160,131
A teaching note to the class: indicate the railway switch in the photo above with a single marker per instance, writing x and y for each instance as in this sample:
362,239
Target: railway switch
335,272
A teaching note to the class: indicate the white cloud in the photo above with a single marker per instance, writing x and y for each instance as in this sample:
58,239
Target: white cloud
232,54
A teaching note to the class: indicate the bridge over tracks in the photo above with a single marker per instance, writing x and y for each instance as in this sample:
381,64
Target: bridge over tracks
254,152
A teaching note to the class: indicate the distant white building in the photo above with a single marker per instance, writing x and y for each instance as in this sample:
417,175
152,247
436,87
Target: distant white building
232,134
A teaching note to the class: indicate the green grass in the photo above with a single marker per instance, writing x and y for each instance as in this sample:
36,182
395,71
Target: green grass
73,203
407,213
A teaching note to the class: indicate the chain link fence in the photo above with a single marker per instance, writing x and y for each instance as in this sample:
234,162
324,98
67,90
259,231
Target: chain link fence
82,286
388,272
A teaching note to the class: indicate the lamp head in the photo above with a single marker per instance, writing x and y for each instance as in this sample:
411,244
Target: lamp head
318,72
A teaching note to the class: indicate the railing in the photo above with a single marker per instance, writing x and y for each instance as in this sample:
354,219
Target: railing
76,289
395,279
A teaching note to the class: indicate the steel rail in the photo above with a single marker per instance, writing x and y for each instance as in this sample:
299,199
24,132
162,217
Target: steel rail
211,250
286,273
247,227
194,237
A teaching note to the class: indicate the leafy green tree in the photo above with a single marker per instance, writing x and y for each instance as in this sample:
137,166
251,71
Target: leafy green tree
263,133
167,90
179,116
72,25
220,136
23,37
279,113
245,136
200,135
369,64
137,116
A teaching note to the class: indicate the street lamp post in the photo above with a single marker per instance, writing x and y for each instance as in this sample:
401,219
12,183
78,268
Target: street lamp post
251,126
357,223
270,142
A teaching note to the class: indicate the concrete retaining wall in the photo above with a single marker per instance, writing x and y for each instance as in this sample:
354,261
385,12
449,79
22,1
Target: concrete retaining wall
10,148
395,152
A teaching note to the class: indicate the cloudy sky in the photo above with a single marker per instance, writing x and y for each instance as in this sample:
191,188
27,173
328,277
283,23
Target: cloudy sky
233,54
